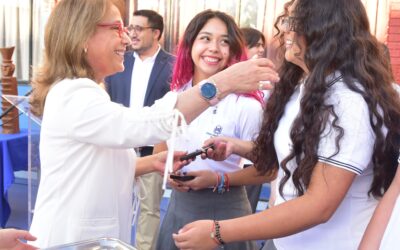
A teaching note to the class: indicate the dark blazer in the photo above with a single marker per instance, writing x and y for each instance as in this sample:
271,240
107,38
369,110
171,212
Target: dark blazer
119,84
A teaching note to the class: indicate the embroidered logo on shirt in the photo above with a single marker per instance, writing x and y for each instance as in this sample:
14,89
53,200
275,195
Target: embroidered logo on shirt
216,132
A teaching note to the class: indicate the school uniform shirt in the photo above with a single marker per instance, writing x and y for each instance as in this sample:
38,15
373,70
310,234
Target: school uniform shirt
347,225
390,238
234,116
88,162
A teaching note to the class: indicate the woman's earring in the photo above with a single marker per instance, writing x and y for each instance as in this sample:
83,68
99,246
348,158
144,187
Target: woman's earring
85,50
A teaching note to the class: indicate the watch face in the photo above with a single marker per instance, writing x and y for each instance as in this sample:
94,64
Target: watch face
208,90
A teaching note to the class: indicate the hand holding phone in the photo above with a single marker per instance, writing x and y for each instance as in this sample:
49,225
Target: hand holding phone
193,155
181,177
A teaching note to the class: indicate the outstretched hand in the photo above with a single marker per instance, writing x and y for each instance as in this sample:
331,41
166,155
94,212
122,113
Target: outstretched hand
195,236
161,158
248,74
222,149
10,239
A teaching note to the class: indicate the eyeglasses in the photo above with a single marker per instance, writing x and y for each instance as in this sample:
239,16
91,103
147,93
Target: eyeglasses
115,26
138,29
288,24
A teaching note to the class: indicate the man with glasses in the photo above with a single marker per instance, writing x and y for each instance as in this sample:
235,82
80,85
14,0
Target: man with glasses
146,78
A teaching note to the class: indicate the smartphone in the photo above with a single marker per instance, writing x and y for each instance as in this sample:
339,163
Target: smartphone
181,177
193,155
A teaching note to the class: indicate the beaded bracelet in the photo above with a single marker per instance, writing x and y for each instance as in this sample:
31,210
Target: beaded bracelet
216,234
213,234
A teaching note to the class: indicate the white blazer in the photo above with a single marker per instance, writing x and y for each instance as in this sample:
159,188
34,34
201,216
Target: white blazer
88,162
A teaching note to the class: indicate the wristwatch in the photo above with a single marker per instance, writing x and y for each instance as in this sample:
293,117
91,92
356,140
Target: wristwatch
209,91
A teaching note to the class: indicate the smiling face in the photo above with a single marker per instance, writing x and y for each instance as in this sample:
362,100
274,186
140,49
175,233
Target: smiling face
106,48
210,50
295,44
144,38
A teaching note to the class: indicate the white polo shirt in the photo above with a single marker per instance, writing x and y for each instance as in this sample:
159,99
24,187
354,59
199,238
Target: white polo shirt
346,227
234,116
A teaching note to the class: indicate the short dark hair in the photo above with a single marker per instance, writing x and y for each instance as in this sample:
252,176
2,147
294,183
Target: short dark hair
252,36
155,20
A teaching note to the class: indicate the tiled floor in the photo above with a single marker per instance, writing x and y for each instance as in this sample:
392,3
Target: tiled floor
17,197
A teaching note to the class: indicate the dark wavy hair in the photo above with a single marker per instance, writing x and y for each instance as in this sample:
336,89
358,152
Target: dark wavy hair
184,67
337,38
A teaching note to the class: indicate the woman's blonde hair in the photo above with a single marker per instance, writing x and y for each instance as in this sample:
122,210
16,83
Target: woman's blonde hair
70,25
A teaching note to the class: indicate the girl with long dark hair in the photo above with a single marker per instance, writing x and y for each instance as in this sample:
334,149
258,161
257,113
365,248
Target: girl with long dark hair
331,128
